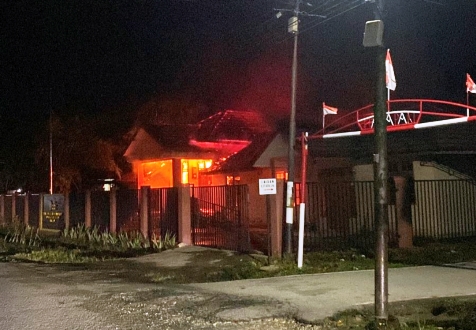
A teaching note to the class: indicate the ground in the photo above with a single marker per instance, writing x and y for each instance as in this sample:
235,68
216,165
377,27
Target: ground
148,292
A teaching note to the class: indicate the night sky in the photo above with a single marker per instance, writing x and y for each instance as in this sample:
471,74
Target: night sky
94,56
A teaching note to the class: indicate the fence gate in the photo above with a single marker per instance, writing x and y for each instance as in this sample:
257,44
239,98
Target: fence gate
220,217
163,216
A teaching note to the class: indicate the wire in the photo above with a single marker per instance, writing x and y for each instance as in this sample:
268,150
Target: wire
330,9
355,4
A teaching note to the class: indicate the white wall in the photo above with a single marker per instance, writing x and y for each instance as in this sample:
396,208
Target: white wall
429,173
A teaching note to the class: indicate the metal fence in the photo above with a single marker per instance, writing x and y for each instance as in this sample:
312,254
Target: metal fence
76,208
127,210
18,202
444,209
340,215
220,217
100,209
163,210
163,214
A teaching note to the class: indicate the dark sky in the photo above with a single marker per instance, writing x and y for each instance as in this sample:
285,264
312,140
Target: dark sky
94,55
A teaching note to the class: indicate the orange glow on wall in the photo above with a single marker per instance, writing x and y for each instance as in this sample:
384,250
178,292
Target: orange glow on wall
159,174
231,180
191,170
281,175
184,172
155,174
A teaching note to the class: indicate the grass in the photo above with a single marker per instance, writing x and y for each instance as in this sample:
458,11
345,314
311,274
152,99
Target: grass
98,250
458,313
436,253
76,245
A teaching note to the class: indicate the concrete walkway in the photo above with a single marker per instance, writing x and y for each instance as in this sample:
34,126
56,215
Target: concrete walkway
312,298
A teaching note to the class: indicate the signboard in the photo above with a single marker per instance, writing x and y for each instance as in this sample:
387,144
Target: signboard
267,186
53,210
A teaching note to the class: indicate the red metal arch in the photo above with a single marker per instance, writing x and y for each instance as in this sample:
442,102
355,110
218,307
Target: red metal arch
402,114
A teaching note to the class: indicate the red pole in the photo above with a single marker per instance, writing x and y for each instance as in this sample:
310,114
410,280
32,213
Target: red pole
304,151
302,205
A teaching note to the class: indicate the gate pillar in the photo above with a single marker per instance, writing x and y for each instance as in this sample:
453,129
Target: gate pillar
144,210
184,216
403,212
277,204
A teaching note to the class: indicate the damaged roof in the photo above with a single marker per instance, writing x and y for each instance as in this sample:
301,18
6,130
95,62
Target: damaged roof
218,136
232,125
259,153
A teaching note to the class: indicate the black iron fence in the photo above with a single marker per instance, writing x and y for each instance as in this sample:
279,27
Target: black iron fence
220,217
340,215
162,210
444,209
163,215
337,216
127,210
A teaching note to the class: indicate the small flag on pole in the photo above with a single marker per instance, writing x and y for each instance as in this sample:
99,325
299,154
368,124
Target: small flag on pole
390,80
470,85
327,110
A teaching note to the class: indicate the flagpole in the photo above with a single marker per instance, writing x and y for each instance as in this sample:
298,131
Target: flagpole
323,117
467,103
388,99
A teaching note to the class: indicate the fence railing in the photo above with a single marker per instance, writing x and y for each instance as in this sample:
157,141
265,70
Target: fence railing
220,217
117,210
340,215
444,209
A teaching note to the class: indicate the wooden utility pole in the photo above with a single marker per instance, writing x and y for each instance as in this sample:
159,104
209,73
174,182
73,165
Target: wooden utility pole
380,182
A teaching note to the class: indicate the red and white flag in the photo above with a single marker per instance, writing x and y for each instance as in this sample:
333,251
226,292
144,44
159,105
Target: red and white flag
327,110
390,80
470,85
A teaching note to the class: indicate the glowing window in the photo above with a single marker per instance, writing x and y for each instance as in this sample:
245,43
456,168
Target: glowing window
155,174
231,180
184,171
281,175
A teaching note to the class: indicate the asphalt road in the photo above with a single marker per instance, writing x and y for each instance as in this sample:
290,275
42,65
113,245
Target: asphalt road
41,297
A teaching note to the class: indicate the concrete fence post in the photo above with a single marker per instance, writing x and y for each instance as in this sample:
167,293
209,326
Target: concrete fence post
87,209
14,207
26,209
2,210
403,212
277,205
144,211
67,219
184,216
40,212
113,211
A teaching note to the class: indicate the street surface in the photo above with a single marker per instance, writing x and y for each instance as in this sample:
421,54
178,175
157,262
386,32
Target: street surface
40,297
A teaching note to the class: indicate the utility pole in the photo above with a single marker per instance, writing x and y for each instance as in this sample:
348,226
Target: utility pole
373,37
51,148
293,27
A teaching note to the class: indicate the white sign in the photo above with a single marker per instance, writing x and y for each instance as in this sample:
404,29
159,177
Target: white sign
267,186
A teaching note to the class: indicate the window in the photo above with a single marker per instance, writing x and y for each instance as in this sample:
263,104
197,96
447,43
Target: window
281,175
232,180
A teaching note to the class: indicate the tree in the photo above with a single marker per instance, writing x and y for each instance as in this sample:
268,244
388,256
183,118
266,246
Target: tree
80,155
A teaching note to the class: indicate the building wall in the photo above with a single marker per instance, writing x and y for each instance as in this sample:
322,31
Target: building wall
430,173
363,172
